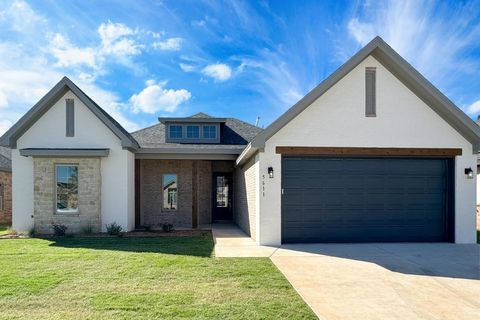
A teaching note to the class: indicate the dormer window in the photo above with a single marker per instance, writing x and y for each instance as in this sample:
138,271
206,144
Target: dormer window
193,132
175,132
200,129
209,132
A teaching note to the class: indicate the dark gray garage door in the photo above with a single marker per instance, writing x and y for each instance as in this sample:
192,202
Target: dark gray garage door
366,200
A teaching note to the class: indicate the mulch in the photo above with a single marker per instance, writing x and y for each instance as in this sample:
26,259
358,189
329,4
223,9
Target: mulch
132,234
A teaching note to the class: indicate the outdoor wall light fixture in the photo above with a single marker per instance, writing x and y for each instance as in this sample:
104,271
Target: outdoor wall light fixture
469,173
270,172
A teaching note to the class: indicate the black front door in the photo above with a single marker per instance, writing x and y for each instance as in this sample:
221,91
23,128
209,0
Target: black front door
222,196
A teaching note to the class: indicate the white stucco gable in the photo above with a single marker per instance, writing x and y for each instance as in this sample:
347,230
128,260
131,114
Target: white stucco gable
408,115
42,133
49,130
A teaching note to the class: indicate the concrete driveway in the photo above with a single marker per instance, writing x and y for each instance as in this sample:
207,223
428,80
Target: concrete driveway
385,281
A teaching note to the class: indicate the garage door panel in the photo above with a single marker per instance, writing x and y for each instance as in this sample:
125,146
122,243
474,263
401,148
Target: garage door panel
360,200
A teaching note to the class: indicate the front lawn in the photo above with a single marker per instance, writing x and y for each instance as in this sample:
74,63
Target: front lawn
139,278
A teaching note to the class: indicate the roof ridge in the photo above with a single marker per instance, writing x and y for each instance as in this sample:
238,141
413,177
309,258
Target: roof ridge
200,115
9,138
403,71
151,126
240,120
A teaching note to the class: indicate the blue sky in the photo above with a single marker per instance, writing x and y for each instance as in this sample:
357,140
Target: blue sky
140,60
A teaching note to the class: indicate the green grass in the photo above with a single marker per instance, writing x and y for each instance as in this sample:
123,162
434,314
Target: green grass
478,236
139,278
4,229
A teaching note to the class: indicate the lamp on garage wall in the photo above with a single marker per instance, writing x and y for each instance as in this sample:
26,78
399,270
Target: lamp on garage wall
270,172
469,173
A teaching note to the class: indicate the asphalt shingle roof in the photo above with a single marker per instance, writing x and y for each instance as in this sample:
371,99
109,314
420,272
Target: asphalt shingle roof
5,159
234,134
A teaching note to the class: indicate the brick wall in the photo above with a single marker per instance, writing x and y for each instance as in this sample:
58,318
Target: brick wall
6,211
245,198
89,188
151,199
152,212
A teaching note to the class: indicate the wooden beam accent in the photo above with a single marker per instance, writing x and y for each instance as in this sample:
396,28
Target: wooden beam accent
371,152
138,193
194,194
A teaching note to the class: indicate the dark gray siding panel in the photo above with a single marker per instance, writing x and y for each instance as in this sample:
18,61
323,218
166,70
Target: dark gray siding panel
70,111
364,200
370,95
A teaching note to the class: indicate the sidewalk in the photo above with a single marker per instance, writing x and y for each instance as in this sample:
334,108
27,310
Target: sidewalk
231,241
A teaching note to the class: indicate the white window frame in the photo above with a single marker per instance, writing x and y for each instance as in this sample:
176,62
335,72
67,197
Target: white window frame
215,131
186,139
181,131
163,195
193,126
62,211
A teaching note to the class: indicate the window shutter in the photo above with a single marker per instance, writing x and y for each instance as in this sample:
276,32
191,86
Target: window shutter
70,118
370,94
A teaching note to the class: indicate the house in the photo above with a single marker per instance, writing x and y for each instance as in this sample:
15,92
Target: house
5,186
374,153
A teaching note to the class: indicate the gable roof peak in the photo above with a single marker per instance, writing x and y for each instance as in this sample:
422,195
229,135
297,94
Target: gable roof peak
407,74
200,115
9,139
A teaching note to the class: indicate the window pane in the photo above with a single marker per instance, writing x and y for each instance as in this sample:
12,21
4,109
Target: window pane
170,192
222,192
67,187
209,132
175,132
193,132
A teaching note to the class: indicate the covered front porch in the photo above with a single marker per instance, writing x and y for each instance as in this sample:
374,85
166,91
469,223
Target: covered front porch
186,193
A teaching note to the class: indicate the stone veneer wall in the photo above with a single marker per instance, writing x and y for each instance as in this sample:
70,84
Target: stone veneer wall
151,206
245,195
89,189
6,211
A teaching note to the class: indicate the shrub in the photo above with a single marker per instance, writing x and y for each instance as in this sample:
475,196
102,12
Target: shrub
31,232
113,229
87,229
59,230
167,227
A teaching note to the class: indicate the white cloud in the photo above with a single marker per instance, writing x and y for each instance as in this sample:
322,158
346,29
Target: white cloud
417,30
111,32
361,32
187,67
109,101
67,54
219,71
116,42
198,23
21,17
172,44
474,108
154,98
26,75
274,78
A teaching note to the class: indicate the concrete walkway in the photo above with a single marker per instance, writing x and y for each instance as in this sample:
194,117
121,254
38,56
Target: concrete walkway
231,242
385,281
374,280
